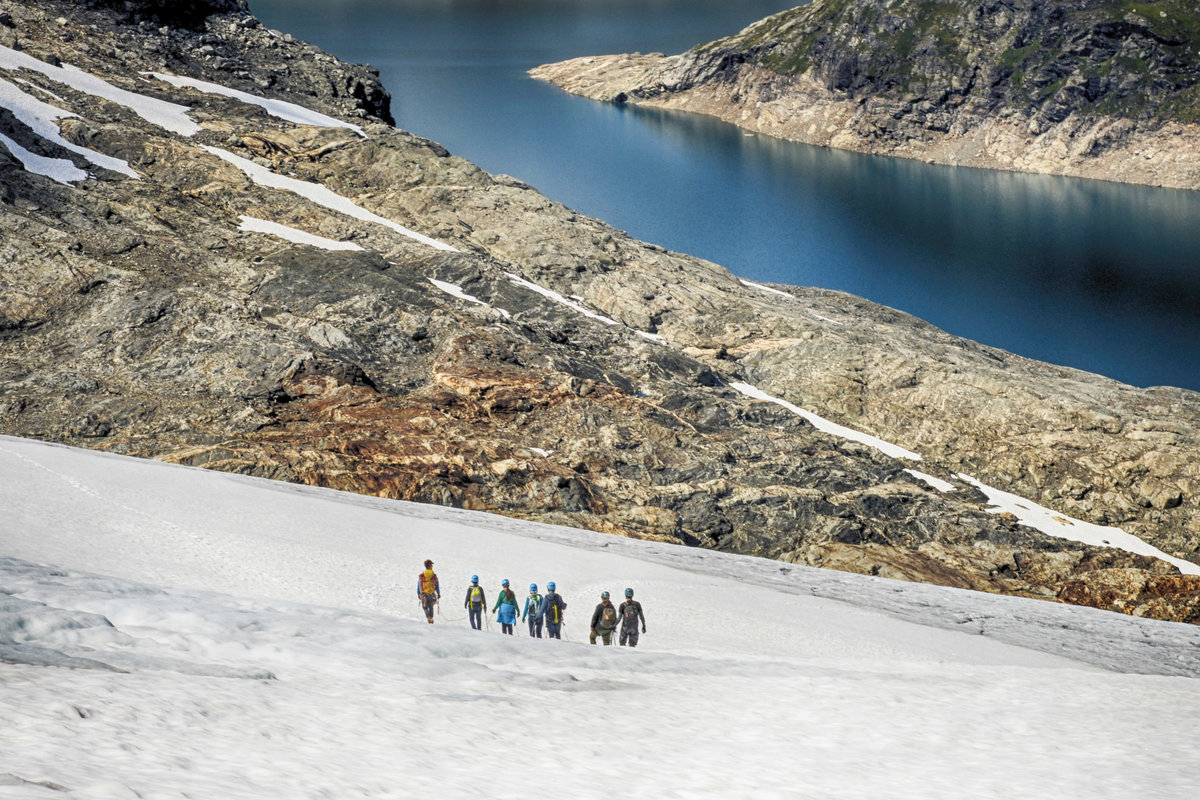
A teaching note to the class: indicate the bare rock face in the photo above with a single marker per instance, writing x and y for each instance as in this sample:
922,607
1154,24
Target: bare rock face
483,347
1089,88
173,12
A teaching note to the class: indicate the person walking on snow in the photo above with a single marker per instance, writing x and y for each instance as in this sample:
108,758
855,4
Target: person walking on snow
630,612
506,606
604,620
429,592
533,612
475,603
551,611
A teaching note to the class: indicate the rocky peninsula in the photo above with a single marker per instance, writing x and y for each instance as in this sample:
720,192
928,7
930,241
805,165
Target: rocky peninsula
216,250
1106,89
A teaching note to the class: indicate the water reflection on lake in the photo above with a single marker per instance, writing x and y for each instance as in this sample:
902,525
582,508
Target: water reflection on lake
1100,276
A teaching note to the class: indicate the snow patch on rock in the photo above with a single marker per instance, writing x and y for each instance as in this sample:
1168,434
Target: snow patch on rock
826,426
253,225
290,112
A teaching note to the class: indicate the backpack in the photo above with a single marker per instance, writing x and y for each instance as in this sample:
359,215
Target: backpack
533,604
428,583
476,595
630,616
554,605
608,617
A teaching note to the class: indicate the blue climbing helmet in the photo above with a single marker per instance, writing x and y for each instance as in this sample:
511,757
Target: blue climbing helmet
604,595
629,592
550,586
533,587
504,582
474,579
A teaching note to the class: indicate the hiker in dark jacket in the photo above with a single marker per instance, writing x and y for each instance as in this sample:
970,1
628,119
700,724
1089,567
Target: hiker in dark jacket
429,592
552,610
506,608
604,620
475,603
630,612
533,612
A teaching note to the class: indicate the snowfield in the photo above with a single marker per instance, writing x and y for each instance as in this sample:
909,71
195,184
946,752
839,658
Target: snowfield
167,632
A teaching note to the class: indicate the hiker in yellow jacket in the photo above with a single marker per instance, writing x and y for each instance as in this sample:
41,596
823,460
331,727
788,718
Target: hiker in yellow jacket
429,592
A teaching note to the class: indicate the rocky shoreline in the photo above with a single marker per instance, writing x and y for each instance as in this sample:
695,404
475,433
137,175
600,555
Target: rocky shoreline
966,108
339,303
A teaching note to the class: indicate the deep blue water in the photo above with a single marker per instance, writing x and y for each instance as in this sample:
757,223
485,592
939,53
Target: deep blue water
1094,275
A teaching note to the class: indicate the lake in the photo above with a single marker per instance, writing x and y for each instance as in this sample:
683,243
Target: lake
1100,276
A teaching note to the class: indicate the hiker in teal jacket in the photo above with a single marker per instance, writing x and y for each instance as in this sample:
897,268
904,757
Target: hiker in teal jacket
533,612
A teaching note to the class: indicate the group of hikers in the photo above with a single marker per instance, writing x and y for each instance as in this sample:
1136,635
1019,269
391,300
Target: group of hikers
539,610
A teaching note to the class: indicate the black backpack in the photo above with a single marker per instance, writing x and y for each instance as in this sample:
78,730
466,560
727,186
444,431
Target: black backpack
554,607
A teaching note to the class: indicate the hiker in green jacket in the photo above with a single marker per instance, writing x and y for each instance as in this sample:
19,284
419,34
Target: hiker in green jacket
604,620
506,608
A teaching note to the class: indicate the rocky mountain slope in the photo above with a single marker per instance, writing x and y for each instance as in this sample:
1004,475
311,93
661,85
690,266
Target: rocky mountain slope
1092,88
198,267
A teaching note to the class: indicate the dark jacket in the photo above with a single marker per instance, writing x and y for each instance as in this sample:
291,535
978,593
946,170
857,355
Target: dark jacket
482,597
596,615
630,612
553,607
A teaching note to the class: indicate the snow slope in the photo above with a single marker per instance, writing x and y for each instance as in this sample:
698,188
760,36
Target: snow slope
167,632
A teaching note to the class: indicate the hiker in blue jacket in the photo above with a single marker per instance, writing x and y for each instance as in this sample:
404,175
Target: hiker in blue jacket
506,608
533,612
551,611
475,603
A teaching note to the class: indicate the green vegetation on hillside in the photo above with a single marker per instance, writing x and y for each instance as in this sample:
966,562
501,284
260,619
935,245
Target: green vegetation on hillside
1128,58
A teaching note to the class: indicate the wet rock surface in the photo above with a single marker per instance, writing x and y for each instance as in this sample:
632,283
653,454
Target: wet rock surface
1090,88
548,367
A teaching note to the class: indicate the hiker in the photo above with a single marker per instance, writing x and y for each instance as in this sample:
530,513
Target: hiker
475,603
506,605
429,592
533,612
604,620
630,612
551,611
